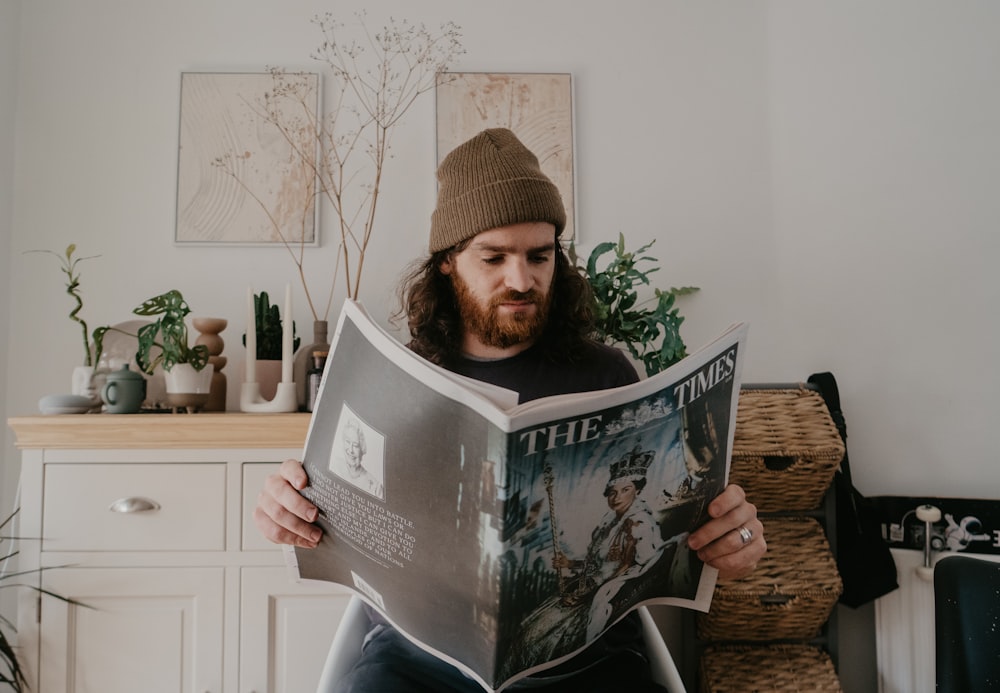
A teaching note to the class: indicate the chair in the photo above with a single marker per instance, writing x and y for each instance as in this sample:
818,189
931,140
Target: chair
967,624
661,662
346,648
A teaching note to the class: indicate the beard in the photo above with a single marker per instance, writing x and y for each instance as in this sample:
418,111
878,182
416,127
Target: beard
493,328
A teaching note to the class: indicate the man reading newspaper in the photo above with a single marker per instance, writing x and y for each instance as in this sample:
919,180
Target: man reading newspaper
498,300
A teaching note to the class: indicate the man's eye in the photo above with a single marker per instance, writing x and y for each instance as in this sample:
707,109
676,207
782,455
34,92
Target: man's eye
540,259
495,260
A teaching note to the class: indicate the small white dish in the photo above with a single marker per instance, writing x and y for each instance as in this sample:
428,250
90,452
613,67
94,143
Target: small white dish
66,404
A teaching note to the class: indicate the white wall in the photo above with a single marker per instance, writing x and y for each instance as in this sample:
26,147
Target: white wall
9,10
885,157
826,171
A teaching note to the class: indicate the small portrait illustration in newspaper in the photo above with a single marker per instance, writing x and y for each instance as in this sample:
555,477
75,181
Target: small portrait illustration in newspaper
358,455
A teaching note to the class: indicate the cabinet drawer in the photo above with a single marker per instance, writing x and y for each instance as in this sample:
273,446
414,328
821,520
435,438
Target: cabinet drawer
188,507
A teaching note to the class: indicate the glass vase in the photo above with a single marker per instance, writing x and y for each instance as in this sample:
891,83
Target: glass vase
303,360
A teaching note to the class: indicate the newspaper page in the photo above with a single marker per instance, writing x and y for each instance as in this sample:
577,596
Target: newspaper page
505,538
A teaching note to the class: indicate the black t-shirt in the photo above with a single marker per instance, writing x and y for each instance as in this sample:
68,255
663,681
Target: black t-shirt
532,375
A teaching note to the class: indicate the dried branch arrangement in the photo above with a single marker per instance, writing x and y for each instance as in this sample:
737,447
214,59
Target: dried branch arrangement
372,81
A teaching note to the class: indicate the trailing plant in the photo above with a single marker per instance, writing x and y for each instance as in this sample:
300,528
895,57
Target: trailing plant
172,331
68,267
649,329
267,319
374,80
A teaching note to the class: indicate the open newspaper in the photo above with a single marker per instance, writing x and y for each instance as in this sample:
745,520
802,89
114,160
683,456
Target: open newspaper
505,538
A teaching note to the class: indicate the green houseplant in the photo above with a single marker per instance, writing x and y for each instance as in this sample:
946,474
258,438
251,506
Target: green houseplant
164,343
267,319
172,331
69,268
268,333
649,329
82,374
12,674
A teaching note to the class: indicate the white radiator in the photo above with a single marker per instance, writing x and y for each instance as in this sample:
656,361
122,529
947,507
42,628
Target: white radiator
904,627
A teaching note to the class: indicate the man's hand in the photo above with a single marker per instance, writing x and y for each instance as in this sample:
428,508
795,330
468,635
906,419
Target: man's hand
282,515
733,540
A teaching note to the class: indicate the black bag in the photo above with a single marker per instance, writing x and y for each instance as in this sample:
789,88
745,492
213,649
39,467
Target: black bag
866,566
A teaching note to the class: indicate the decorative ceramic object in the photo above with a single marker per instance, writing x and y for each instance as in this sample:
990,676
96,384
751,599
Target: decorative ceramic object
210,329
188,388
83,381
268,377
65,404
251,397
118,350
124,391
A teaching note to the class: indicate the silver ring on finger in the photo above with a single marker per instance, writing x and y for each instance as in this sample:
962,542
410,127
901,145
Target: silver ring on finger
745,535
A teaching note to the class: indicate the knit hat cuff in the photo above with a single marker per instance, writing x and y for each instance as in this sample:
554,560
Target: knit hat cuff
501,203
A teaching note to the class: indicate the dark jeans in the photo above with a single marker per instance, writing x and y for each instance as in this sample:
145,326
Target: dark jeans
390,663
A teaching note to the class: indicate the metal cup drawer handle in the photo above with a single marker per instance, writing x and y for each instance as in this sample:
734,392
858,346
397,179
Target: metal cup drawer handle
133,505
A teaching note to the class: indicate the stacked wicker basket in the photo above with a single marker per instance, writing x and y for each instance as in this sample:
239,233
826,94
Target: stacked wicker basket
785,453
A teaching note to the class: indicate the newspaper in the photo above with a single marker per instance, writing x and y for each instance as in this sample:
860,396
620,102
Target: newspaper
483,530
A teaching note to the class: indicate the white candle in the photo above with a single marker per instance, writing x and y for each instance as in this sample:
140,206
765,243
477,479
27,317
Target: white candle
251,375
286,338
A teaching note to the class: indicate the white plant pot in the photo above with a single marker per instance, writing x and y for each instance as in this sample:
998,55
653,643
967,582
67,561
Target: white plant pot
187,387
82,383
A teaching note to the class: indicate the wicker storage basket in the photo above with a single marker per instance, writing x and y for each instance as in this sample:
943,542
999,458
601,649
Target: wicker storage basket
786,448
788,597
771,668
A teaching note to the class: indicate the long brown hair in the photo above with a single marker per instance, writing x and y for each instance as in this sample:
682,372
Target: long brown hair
427,301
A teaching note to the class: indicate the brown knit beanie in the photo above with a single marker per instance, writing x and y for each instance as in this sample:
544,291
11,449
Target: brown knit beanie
490,181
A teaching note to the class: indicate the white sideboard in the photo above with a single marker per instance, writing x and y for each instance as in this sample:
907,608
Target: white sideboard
145,521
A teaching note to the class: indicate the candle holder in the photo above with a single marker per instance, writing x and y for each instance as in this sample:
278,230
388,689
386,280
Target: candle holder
284,399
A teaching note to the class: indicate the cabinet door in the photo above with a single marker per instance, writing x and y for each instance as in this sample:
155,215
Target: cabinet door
137,629
286,628
254,474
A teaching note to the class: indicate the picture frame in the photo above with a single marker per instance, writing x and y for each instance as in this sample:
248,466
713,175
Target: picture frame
244,176
537,107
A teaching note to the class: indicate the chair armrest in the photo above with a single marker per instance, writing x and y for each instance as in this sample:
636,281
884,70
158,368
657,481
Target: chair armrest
346,646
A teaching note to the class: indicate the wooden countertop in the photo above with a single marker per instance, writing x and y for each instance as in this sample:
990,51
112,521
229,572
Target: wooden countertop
204,430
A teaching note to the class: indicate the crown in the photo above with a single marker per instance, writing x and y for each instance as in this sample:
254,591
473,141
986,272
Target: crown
632,465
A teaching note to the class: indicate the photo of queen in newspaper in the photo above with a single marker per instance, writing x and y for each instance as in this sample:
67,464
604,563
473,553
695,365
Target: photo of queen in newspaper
609,527
357,456
624,543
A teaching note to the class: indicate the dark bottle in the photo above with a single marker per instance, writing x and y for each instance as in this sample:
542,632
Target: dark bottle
314,376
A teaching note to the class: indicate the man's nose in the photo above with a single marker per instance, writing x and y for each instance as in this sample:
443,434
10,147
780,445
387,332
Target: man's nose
518,276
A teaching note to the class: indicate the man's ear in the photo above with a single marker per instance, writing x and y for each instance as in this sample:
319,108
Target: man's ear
446,265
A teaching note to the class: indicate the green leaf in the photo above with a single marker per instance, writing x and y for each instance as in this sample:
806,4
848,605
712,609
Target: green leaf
648,329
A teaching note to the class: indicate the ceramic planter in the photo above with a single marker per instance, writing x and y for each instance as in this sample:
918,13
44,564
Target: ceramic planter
187,387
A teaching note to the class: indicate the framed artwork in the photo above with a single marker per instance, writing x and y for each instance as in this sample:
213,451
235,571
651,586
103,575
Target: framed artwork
246,155
537,107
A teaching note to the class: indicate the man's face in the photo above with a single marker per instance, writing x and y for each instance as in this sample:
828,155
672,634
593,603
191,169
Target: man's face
503,282
621,495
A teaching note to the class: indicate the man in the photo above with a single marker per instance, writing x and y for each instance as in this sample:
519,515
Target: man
498,300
